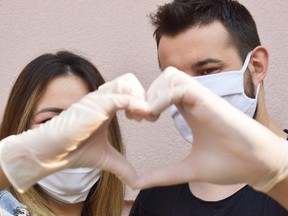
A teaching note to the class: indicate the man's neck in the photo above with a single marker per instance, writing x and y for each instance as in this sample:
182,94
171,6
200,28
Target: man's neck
264,118
212,192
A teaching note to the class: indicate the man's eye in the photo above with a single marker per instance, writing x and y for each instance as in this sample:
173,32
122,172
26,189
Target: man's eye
209,71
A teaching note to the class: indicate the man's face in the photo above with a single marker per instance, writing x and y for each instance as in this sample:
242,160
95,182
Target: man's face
202,50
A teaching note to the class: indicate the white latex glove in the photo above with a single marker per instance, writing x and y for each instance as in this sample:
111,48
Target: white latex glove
75,138
228,147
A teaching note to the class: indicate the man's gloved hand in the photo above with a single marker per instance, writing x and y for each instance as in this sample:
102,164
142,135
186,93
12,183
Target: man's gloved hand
76,138
228,147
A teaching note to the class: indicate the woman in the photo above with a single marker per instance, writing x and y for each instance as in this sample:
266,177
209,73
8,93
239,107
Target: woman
59,80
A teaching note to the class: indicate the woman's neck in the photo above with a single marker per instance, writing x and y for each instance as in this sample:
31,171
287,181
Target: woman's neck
62,209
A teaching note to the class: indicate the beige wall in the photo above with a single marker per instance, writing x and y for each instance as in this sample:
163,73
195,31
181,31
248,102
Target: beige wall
117,37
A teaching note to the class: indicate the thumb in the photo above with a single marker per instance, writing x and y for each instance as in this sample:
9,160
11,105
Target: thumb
175,173
117,164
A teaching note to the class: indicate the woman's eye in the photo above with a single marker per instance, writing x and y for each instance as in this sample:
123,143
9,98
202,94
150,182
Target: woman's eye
44,120
40,120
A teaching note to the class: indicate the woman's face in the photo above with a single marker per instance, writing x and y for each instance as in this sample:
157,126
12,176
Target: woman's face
60,93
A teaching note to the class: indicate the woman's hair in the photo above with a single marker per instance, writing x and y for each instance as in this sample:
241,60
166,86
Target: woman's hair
106,196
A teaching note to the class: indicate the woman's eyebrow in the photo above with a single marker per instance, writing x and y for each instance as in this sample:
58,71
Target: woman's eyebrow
50,109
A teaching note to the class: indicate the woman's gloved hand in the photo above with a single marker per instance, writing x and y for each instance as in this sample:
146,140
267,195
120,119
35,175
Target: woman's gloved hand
78,137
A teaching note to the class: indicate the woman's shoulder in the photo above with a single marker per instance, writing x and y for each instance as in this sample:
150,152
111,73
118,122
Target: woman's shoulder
9,205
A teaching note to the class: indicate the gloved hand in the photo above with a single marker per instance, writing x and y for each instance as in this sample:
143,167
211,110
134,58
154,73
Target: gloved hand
75,138
228,147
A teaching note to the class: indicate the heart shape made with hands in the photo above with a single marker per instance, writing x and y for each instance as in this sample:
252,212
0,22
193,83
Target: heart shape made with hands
228,147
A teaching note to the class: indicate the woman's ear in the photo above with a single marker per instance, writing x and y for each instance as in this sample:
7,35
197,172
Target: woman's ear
258,64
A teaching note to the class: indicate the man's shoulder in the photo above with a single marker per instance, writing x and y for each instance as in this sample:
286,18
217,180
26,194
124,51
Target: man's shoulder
158,200
163,191
286,131
164,196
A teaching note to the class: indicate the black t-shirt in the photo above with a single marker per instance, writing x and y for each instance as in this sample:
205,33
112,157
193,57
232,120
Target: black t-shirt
179,201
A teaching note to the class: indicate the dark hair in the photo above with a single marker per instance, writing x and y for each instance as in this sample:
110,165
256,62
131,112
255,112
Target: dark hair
106,197
180,15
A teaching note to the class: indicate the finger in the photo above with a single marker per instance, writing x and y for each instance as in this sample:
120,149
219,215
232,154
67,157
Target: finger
137,111
140,116
125,84
135,116
110,103
170,78
152,117
167,98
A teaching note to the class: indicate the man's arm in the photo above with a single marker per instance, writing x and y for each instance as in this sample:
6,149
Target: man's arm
228,148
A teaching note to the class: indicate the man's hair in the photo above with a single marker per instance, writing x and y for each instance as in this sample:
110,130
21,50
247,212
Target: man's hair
178,16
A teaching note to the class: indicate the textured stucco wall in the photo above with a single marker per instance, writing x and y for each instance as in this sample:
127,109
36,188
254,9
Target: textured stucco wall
117,37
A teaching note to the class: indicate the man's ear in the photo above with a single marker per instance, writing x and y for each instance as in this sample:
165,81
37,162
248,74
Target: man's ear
258,64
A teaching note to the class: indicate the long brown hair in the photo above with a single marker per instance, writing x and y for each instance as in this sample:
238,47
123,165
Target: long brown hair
106,196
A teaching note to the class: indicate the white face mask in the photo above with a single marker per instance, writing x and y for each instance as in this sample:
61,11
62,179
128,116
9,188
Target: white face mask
70,186
229,85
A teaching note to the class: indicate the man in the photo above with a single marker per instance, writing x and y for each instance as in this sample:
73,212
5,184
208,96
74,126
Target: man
217,42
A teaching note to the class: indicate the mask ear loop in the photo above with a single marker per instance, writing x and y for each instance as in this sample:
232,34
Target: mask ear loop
246,62
245,65
257,93
243,69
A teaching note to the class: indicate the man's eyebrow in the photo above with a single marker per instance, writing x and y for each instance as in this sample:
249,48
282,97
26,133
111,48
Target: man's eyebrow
50,109
205,62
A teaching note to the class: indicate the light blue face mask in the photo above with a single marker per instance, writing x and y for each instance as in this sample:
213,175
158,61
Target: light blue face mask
230,86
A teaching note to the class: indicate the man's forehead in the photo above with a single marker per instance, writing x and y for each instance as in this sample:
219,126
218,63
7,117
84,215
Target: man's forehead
196,44
199,32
